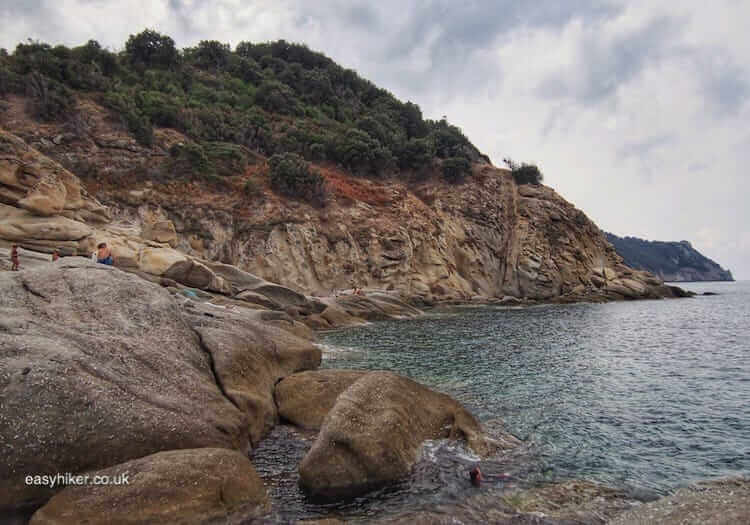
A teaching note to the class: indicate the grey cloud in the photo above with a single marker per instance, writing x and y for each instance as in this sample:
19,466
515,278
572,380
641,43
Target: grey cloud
725,84
642,148
604,66
362,16
697,167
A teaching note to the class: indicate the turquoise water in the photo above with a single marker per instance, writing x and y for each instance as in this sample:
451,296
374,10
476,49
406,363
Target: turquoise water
646,394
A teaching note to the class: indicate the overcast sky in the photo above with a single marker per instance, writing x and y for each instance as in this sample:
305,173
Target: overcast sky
636,113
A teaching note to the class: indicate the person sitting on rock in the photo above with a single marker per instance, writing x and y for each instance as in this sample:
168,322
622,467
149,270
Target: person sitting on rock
55,255
14,258
104,254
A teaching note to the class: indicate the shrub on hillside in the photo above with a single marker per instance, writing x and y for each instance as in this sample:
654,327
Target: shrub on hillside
524,173
455,169
209,54
291,176
125,107
415,154
48,99
189,158
161,109
359,152
226,159
276,97
449,140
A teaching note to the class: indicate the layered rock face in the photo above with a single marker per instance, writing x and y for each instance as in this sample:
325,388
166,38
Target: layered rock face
42,205
428,241
487,238
148,246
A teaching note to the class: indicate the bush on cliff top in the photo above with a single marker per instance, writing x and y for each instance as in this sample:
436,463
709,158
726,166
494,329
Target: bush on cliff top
524,173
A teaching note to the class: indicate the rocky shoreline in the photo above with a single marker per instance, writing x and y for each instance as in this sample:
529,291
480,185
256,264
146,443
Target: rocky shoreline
105,373
171,368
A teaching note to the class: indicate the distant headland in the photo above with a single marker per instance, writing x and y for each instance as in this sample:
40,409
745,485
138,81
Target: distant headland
672,261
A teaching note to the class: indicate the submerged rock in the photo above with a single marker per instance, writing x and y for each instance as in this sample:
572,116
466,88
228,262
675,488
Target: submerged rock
374,432
179,486
572,502
715,502
375,306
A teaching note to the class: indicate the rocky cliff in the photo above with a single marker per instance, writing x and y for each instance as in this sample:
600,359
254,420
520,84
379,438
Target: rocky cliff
671,261
425,241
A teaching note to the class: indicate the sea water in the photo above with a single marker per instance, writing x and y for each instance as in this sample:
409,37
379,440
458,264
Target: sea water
641,395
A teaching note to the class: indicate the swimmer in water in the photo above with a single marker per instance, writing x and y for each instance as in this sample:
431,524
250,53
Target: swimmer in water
476,477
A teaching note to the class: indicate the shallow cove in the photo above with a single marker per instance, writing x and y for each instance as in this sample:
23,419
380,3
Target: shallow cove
645,395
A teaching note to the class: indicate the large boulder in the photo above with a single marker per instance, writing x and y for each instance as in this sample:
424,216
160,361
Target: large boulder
249,358
259,299
193,273
239,279
282,295
304,399
178,486
374,432
98,367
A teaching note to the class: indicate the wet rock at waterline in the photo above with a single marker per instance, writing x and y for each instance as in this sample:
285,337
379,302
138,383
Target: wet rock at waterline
716,502
178,486
571,502
373,434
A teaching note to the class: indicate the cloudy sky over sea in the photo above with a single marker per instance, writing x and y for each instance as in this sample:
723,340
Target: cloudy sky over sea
637,112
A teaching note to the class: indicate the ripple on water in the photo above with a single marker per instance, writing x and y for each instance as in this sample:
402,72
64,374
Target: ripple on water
645,395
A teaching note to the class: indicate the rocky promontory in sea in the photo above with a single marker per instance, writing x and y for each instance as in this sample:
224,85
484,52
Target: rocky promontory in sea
671,261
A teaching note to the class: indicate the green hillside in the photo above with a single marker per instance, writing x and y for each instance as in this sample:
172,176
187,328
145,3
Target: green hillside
272,98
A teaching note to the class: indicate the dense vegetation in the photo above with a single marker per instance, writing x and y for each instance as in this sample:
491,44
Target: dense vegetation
666,259
524,173
274,98
292,176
